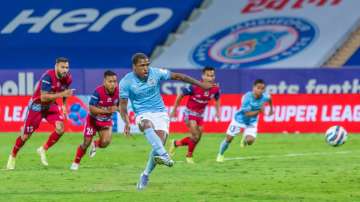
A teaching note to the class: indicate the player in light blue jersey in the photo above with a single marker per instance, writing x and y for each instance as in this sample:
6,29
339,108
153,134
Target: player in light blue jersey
246,118
142,88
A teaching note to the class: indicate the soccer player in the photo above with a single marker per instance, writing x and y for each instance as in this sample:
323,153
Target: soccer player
53,84
198,100
103,103
142,88
247,117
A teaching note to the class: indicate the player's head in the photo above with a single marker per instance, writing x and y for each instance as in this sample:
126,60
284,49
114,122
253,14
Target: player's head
110,81
61,67
258,87
141,63
208,74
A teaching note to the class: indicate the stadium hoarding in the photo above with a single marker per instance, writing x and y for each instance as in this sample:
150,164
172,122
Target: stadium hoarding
263,34
95,33
300,113
279,81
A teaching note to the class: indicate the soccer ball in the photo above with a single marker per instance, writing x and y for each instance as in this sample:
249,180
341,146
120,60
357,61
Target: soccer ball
336,136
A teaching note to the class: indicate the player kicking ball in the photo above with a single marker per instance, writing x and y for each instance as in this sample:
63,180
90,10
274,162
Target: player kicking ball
103,103
142,88
53,84
194,112
246,118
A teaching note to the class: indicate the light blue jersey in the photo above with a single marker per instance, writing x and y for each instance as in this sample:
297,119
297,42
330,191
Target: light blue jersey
250,103
144,95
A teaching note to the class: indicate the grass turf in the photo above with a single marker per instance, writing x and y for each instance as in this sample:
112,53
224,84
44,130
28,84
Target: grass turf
276,168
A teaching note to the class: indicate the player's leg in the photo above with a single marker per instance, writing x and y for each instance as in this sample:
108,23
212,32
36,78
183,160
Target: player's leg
53,138
89,133
233,129
146,124
195,135
160,125
32,122
80,152
151,164
105,134
249,136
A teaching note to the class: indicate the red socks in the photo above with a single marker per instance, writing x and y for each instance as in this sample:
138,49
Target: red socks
189,142
18,144
53,138
79,154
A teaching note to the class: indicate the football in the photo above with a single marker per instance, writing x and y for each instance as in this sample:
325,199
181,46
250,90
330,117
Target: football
336,136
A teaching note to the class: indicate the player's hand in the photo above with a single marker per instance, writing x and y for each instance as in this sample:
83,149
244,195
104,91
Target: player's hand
271,112
173,114
113,109
68,92
64,110
127,130
217,118
262,109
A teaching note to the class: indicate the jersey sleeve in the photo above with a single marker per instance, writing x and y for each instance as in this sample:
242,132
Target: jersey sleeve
162,74
46,83
245,104
94,99
188,90
124,89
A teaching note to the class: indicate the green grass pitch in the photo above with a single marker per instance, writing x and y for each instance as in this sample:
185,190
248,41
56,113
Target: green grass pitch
276,168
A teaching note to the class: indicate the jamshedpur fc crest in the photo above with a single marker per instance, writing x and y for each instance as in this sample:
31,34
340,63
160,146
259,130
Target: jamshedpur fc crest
255,42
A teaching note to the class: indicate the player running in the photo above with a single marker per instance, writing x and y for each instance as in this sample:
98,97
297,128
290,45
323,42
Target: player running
53,84
103,103
247,117
198,100
142,88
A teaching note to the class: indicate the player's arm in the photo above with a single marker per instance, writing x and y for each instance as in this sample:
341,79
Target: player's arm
124,115
271,107
95,110
64,106
45,94
124,97
189,79
246,108
185,91
176,104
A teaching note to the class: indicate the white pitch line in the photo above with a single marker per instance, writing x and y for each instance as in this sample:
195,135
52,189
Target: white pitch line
285,155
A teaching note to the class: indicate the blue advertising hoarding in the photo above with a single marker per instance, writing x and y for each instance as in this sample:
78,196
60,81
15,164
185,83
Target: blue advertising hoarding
279,81
90,33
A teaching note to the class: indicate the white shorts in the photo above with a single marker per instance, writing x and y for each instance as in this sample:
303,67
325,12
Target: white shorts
160,120
235,127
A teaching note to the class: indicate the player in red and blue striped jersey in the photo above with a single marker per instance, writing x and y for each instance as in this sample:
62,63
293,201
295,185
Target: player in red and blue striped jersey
103,103
193,114
53,84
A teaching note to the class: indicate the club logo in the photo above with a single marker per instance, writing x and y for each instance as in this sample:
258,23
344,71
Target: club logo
255,42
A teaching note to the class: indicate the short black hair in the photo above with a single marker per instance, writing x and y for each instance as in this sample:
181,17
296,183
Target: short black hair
207,68
61,59
109,73
138,56
257,81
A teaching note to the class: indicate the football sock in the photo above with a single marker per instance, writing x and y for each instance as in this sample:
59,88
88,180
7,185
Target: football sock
155,141
18,144
150,165
79,154
223,147
191,147
53,138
